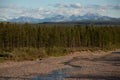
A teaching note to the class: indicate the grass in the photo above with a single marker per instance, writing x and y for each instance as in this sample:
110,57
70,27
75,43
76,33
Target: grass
21,54
2,60
55,51
30,53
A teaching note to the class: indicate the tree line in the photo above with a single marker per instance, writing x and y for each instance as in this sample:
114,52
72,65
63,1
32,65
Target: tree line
15,35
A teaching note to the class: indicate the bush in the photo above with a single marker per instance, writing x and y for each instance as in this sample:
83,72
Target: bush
28,54
21,54
4,54
56,51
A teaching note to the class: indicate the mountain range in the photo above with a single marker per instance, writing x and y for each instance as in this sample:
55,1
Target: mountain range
61,18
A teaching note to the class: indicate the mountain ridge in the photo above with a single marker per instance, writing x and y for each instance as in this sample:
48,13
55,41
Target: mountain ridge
61,18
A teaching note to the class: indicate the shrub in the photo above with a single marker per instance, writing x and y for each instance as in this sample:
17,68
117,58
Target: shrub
4,54
28,54
56,51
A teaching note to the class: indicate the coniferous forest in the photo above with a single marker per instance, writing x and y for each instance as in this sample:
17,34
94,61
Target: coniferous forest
15,36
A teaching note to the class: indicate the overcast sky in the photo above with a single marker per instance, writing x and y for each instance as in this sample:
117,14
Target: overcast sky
46,8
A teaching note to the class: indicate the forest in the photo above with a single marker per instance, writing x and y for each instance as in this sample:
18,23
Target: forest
41,40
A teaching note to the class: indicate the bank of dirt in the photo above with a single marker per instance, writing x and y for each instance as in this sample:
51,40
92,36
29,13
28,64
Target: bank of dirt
94,65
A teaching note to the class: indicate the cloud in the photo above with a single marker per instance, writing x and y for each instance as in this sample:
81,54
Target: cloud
94,6
13,11
91,6
116,6
62,5
104,6
76,5
78,9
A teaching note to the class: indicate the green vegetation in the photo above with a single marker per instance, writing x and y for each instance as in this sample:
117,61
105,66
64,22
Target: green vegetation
35,41
20,54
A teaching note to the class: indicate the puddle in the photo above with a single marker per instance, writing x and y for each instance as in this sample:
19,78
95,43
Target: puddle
115,53
13,78
57,75
60,74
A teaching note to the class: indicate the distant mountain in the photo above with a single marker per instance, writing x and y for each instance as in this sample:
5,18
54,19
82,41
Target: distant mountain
61,18
24,19
93,17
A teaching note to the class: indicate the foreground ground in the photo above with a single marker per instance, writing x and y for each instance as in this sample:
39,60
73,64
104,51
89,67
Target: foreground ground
97,65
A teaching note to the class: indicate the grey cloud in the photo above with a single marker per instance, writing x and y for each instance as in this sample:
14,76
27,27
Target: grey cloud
13,11
94,6
116,6
104,6
62,5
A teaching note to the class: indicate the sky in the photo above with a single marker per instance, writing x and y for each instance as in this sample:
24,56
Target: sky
40,9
